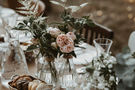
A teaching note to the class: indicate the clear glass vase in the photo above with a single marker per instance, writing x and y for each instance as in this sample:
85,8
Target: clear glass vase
4,52
14,62
66,73
46,70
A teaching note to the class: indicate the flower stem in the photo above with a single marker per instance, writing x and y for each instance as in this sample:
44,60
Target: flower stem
53,71
69,65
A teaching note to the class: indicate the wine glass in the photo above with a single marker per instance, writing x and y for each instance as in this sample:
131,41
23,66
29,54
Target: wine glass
102,45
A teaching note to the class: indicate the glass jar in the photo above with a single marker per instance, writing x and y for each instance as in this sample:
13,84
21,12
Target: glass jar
66,73
46,70
4,52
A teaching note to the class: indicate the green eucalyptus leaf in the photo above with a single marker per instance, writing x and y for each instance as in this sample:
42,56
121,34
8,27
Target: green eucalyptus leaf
35,26
90,24
31,48
42,26
25,22
60,54
86,17
31,20
73,53
20,23
133,55
20,27
90,70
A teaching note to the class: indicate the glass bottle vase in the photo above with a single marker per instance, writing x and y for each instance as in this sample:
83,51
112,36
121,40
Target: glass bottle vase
46,70
66,73
14,62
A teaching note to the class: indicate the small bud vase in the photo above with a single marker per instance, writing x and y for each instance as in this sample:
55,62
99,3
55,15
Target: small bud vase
66,73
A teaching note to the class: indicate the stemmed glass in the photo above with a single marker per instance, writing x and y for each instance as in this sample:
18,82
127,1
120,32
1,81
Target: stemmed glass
102,45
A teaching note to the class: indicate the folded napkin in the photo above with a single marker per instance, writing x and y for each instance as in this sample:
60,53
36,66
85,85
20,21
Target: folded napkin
84,56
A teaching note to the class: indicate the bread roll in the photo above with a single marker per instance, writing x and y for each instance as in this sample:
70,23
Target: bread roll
27,82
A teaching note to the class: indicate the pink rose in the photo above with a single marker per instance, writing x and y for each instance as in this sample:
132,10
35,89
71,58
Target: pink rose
67,49
65,43
71,35
63,40
54,31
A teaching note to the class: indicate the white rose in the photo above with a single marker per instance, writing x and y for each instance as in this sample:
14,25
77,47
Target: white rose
112,78
101,86
110,66
54,31
110,71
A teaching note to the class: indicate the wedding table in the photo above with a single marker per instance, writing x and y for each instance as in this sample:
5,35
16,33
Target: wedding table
84,56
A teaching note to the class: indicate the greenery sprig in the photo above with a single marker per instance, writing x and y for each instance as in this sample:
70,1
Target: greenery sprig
77,23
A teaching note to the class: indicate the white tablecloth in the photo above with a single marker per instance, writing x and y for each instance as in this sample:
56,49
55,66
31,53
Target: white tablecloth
84,56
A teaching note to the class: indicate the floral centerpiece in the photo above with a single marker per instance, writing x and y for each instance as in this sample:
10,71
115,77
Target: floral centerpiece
102,74
52,40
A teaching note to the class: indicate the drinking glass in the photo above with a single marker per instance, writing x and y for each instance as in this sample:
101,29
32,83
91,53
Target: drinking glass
102,45
43,71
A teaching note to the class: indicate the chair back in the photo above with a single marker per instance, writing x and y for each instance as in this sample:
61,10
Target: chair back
97,31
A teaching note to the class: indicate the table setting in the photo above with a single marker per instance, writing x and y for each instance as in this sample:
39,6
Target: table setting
59,58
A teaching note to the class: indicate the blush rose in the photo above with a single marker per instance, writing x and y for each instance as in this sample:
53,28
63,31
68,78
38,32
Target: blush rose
71,35
65,43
